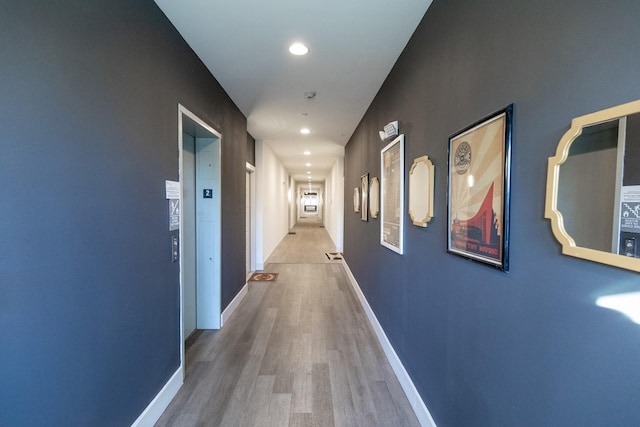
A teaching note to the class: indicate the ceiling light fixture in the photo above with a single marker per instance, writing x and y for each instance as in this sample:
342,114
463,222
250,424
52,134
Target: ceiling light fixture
307,164
308,171
298,49
307,153
305,131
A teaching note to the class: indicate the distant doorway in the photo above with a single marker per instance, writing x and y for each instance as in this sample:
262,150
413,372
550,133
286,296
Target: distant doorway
309,203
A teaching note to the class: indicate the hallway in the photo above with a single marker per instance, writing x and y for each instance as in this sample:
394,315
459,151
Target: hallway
297,352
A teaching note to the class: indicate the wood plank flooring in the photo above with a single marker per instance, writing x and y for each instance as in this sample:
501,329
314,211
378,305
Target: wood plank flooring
308,245
297,352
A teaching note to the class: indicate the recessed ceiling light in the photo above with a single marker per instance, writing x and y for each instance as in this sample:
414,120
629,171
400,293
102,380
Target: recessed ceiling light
308,171
307,164
305,131
298,49
307,153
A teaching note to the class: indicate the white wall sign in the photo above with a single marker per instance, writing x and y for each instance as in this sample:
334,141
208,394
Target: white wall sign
172,189
630,209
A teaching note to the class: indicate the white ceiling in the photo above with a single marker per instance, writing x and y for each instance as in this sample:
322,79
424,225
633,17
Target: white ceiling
353,45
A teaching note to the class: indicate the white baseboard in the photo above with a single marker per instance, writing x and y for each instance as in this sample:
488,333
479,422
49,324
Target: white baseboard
420,409
226,314
159,403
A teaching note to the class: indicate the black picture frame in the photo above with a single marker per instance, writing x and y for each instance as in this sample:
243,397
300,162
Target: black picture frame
479,190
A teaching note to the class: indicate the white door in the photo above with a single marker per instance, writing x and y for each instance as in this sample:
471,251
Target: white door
208,256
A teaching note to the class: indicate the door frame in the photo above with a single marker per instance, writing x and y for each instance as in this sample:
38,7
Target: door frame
249,168
182,112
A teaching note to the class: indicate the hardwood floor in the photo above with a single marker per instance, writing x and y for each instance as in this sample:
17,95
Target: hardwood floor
297,352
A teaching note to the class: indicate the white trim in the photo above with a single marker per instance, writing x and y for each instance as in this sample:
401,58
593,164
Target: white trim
159,403
420,409
227,312
252,171
182,110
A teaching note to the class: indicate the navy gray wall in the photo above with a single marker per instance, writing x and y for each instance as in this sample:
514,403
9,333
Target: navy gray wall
485,348
89,297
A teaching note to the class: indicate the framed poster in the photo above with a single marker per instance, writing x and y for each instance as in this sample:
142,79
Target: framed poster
364,193
392,195
479,190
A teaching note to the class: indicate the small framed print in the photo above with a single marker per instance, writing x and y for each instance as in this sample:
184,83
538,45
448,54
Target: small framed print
392,195
356,199
364,194
479,190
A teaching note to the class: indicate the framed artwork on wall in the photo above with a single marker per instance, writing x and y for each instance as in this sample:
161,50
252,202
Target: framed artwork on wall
392,195
364,194
356,200
374,197
421,181
479,190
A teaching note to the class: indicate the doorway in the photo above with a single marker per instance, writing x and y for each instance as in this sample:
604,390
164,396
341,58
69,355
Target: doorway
250,221
199,148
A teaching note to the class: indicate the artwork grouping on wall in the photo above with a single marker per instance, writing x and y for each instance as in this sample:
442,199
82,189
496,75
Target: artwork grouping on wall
478,195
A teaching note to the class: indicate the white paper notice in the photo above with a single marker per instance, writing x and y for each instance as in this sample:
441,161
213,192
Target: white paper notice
172,189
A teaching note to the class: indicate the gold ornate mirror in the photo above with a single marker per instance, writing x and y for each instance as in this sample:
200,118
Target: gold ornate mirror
593,187
374,197
421,177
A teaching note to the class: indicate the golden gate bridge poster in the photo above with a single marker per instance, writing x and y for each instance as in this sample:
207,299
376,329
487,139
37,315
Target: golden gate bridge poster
478,197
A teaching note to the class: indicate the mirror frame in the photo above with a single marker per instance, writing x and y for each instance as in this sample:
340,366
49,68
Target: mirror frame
422,221
374,202
551,211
